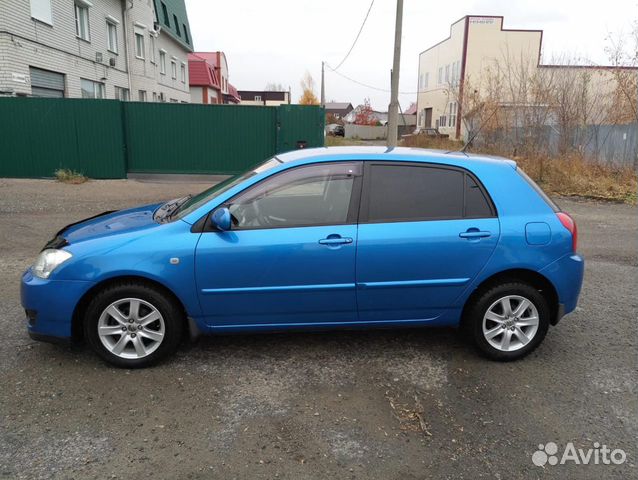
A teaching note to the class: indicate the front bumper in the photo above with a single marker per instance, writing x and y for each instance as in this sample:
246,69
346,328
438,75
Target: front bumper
49,305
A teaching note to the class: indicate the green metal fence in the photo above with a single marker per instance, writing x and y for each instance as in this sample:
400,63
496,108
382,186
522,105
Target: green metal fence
108,138
38,136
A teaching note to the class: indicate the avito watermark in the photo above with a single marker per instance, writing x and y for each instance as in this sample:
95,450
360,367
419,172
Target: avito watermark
598,455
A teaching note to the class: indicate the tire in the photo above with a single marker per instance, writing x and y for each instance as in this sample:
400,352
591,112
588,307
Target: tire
129,340
489,324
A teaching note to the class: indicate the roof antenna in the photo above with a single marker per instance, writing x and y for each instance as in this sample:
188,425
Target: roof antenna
478,130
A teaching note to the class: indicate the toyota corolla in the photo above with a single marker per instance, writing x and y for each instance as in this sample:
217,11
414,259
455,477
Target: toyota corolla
311,240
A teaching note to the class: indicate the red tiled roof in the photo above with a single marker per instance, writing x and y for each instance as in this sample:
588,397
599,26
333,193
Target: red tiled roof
201,72
411,110
232,91
210,57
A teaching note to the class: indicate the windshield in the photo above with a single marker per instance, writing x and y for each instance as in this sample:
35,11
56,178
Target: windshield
200,199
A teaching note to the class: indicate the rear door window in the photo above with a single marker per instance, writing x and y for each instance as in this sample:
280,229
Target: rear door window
405,193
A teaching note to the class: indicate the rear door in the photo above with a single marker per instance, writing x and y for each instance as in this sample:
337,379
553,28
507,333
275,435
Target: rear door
425,231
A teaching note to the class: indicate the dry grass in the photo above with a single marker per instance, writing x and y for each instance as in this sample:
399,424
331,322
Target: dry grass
423,141
569,176
69,176
574,176
342,142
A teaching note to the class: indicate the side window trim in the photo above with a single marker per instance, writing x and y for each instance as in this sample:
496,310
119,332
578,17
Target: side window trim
367,177
203,225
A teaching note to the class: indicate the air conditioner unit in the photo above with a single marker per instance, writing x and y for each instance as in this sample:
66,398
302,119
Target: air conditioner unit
98,57
112,62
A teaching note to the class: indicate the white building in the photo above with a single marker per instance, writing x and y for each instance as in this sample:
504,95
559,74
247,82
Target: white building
479,46
122,49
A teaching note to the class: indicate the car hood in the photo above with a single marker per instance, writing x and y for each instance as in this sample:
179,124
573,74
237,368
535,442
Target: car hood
106,224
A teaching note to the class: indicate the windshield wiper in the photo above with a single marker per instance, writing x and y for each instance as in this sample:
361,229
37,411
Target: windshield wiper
170,207
174,207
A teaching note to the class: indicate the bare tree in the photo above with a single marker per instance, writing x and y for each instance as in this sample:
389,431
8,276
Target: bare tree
274,87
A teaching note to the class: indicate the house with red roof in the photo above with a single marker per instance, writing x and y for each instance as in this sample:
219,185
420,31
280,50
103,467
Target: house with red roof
208,78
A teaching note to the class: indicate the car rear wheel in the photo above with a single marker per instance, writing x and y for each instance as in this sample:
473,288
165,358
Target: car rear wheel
508,321
132,325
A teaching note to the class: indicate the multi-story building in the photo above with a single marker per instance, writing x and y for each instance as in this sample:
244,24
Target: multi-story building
264,97
209,83
122,49
478,55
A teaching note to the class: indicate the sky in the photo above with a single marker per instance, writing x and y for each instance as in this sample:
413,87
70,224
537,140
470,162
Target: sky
279,41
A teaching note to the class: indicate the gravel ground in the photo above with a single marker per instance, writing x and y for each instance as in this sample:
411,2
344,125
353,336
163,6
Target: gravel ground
384,404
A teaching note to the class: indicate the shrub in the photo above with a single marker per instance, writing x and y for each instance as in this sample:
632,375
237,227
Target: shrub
66,175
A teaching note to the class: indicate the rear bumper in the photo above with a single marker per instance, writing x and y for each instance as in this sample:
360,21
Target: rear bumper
49,305
566,274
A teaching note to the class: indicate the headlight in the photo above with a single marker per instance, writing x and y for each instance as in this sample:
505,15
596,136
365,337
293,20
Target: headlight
49,260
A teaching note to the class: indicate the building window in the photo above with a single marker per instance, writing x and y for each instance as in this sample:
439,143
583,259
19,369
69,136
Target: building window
452,115
174,69
186,37
46,84
41,10
442,121
122,94
447,74
165,13
82,21
141,95
183,72
151,47
139,44
426,80
162,98
111,36
162,62
257,98
179,34
91,89
440,79
154,96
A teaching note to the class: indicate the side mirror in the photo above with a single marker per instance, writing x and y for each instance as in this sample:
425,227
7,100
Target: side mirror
221,219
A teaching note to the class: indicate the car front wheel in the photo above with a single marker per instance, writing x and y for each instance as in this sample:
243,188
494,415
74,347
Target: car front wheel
508,321
132,325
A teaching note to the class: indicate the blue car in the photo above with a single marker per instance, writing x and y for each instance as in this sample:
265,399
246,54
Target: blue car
317,239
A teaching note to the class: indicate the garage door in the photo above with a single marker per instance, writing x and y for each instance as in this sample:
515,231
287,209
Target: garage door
46,84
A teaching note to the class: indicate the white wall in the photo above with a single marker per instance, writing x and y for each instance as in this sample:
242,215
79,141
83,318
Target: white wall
365,132
55,47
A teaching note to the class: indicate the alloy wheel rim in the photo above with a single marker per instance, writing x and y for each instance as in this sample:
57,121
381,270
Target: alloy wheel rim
131,328
510,323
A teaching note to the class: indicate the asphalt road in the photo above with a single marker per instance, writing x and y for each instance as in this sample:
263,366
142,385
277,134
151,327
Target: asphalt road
385,404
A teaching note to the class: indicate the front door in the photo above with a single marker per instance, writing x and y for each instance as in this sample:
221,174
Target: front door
289,259
428,118
425,232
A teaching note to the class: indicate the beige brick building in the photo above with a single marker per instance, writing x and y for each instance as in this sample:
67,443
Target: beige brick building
479,46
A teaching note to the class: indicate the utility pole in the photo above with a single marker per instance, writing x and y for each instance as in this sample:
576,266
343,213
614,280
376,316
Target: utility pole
393,108
323,88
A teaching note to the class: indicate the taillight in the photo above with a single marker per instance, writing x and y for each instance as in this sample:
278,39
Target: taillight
569,223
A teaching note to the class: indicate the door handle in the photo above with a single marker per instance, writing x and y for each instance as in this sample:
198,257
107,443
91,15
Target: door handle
335,240
474,233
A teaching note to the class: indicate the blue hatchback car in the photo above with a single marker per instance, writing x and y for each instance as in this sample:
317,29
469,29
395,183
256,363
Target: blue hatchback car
317,239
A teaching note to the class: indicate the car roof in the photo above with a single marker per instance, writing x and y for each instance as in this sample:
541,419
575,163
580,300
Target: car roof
387,153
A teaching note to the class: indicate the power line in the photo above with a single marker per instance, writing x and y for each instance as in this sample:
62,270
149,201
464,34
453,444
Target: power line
372,87
357,37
